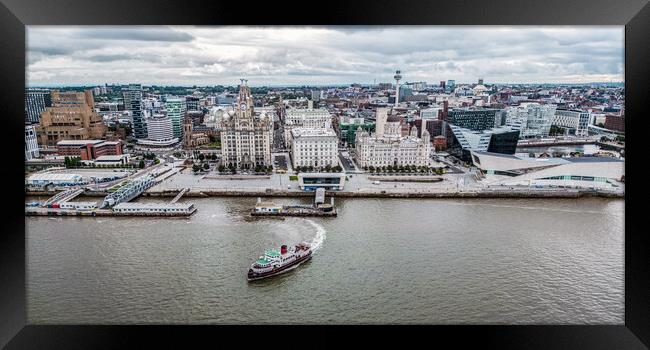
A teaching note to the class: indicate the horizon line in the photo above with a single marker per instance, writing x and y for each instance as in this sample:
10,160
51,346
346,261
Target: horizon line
53,85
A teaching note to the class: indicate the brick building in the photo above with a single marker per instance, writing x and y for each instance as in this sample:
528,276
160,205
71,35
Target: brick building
440,143
615,122
71,117
89,149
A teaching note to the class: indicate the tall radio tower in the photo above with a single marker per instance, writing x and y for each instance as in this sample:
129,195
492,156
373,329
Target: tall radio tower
398,77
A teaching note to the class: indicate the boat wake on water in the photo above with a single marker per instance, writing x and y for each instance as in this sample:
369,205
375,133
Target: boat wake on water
321,233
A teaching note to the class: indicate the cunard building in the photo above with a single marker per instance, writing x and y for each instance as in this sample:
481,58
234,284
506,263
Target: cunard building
245,137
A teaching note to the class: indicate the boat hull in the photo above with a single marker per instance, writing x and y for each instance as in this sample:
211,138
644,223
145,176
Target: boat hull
280,270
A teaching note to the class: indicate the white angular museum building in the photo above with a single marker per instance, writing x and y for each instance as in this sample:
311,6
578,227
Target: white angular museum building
570,172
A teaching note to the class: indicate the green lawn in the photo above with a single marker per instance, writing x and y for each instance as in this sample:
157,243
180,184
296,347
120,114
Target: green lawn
213,145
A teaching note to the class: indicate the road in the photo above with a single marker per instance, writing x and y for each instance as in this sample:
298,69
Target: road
347,163
281,161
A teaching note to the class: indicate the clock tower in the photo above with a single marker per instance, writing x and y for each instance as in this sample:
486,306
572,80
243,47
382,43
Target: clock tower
244,106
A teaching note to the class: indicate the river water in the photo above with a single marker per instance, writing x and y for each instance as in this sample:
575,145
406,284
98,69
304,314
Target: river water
450,261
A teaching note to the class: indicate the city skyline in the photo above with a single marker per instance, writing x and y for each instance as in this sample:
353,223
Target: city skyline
294,56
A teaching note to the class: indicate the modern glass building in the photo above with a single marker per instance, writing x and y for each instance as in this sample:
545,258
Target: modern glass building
451,84
313,181
531,119
193,103
133,103
174,108
577,121
349,131
462,141
35,103
477,119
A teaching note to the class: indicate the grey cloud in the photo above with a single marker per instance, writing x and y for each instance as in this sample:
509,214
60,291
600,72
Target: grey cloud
109,58
321,55
137,34
309,73
52,50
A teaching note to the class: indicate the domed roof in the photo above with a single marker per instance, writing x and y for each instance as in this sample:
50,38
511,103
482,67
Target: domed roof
393,118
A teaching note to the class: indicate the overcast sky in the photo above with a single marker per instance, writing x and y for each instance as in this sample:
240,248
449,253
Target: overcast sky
186,55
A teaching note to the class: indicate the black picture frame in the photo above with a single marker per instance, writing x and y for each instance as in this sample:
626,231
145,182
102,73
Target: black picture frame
634,14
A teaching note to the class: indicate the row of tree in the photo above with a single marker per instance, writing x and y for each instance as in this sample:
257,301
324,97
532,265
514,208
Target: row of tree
201,157
71,162
75,162
233,170
149,156
556,131
196,167
328,168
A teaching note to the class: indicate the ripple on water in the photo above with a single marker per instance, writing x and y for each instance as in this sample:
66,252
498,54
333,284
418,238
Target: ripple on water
379,261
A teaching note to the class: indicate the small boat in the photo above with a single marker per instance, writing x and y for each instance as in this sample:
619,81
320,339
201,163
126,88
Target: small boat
275,262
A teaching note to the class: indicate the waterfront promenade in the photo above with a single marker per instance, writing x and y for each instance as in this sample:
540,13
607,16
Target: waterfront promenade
360,185
452,185
509,192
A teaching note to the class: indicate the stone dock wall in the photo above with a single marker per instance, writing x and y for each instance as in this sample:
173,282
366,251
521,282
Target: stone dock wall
374,193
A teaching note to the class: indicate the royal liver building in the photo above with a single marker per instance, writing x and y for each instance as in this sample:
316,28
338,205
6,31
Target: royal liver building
245,137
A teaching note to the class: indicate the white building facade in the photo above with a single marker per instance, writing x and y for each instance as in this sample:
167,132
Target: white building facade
573,172
160,132
309,118
31,145
160,127
531,119
430,113
573,119
317,147
305,118
380,120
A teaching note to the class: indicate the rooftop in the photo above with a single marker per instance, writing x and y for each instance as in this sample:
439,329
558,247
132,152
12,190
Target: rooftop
81,203
110,158
593,159
130,205
78,142
272,253
312,132
497,154
262,261
55,177
302,111
559,160
321,175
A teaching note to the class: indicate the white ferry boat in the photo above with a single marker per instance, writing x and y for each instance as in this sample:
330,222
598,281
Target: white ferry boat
275,262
